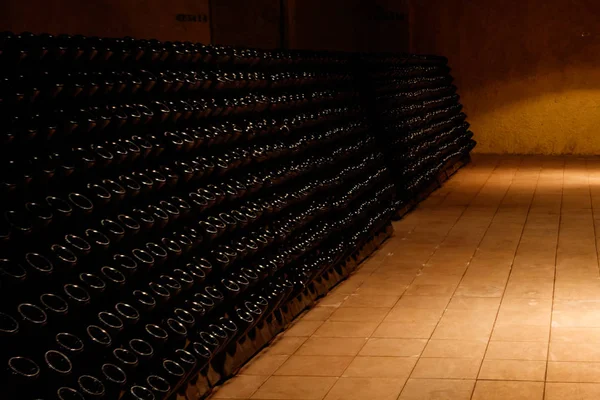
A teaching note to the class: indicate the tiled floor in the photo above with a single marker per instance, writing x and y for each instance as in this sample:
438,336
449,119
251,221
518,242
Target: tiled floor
489,290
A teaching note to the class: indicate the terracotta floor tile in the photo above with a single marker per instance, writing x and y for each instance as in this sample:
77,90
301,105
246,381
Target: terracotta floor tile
350,285
295,387
465,325
523,269
572,391
567,351
448,268
333,300
284,345
576,290
573,372
522,311
583,318
314,365
517,351
430,290
575,305
263,364
303,328
481,289
370,300
523,317
318,314
526,304
239,387
407,330
487,267
381,367
346,329
359,314
531,289
474,303
347,388
423,302
385,252
365,270
575,334
413,315
379,285
513,370
382,290
437,389
400,273
455,348
393,347
429,277
505,390
326,346
521,333
447,368
361,274
469,316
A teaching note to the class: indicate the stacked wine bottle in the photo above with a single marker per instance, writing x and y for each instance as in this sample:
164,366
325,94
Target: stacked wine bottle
420,119
167,208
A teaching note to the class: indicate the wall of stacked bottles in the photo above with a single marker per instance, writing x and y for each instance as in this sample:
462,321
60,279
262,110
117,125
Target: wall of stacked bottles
420,121
168,207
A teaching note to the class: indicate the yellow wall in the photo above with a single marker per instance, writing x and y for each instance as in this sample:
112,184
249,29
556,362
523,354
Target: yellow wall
528,71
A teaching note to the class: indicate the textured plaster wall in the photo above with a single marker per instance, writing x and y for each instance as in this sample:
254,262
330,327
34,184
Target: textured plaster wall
113,18
348,25
528,71
255,23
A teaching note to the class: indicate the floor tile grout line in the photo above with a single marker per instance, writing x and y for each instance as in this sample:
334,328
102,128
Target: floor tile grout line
491,173
390,309
554,280
429,257
482,238
515,252
365,342
508,277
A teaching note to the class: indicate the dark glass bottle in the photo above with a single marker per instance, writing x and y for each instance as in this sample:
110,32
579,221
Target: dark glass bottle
137,392
9,334
186,360
68,393
158,385
126,359
114,379
111,323
91,387
97,341
57,370
21,376
70,345
142,350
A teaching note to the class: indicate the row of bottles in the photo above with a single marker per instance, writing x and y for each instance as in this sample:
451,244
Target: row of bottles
167,208
27,50
420,119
